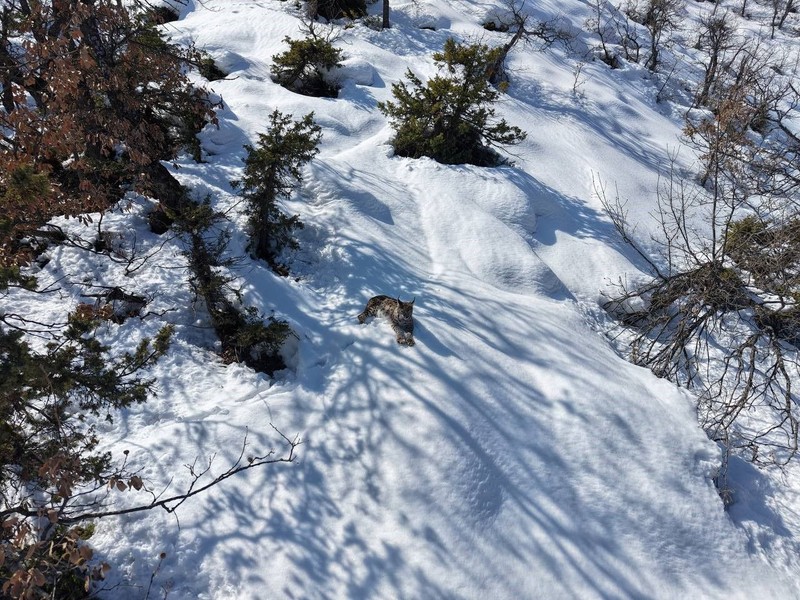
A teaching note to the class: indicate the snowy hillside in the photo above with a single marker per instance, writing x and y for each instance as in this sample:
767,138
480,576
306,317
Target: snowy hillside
512,452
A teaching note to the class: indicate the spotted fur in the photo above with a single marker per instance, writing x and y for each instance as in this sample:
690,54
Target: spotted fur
398,313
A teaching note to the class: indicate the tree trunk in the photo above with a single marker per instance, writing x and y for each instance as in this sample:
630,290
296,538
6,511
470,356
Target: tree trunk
786,11
495,71
159,183
710,77
652,60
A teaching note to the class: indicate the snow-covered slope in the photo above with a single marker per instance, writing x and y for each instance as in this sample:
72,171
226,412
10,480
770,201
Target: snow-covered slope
509,454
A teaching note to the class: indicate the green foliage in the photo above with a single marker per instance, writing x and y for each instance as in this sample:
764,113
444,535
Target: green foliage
710,285
304,66
451,118
49,462
196,218
244,334
11,274
25,202
767,251
209,69
337,9
272,171
25,181
742,232
257,343
45,395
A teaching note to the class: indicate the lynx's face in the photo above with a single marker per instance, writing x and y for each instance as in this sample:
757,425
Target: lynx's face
404,311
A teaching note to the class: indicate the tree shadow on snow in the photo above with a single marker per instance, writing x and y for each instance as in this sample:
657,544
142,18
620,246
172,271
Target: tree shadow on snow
488,452
427,465
751,488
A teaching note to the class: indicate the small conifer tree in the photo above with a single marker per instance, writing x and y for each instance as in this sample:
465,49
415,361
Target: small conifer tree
304,66
51,467
271,172
337,9
450,119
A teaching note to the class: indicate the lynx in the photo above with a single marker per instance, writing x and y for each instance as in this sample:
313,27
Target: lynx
398,313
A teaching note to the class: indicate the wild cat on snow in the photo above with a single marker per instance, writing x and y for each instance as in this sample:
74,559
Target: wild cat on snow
398,313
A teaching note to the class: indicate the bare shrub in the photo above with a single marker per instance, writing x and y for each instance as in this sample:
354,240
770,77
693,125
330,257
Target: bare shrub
661,18
721,311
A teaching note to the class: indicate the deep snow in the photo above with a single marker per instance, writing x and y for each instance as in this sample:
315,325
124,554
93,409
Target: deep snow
511,453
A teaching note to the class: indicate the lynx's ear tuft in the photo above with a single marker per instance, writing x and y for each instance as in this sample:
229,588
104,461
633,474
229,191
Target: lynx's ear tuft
412,300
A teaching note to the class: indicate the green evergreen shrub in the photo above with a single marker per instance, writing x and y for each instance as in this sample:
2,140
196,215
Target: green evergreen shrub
245,335
451,118
337,9
272,171
49,460
303,68
769,250
208,68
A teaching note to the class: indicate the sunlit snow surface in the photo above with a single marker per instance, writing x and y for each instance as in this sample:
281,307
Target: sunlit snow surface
510,453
